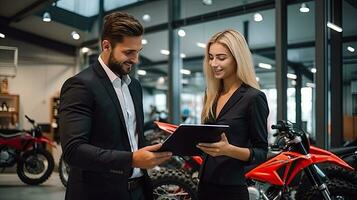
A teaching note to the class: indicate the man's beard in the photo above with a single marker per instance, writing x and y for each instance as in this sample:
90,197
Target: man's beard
117,67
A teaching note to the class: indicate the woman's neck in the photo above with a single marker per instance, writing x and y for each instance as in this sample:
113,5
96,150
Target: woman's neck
230,85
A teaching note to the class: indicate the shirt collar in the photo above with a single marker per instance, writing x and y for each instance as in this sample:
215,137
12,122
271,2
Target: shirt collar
112,76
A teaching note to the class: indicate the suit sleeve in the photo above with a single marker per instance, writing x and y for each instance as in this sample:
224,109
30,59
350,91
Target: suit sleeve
76,111
258,128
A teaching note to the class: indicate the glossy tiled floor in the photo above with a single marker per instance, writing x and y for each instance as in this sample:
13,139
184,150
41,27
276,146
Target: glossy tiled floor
11,188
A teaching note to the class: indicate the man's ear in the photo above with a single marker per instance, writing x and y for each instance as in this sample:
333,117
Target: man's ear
106,45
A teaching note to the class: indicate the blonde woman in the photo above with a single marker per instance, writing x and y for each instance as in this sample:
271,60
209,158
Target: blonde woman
232,97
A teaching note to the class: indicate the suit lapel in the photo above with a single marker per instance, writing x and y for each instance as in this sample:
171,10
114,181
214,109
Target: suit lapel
136,100
112,94
236,96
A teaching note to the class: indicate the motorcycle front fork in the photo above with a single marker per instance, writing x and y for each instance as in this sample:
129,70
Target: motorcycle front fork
317,179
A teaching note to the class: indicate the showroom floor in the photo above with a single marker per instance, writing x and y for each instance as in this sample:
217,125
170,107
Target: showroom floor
11,188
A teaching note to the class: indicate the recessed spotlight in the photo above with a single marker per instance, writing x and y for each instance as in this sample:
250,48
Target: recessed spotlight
46,17
258,17
293,82
312,85
165,52
200,44
75,35
313,70
141,72
304,8
182,55
334,27
2,35
264,65
85,50
144,41
146,18
161,80
181,33
207,2
351,49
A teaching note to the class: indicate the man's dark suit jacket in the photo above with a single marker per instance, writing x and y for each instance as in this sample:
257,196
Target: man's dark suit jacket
246,113
94,138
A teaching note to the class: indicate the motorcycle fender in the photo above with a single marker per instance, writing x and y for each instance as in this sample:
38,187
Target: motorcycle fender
43,139
320,155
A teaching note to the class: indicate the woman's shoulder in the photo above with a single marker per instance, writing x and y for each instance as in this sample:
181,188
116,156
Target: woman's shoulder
253,92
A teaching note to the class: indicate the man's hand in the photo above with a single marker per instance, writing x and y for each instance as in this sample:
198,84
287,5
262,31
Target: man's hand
146,158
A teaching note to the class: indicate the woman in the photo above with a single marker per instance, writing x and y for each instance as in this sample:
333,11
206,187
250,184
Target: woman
232,98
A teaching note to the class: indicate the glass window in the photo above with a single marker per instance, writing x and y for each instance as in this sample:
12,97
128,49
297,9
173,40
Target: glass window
80,7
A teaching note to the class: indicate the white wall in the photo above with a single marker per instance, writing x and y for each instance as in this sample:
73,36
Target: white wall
40,75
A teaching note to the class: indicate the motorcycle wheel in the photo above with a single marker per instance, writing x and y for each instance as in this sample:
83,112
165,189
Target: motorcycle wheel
332,172
36,167
63,171
338,190
173,184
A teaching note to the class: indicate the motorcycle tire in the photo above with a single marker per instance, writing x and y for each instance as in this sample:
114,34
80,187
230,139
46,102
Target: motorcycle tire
332,172
338,190
63,171
31,164
170,184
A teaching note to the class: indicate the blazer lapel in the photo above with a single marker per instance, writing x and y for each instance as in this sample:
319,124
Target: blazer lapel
135,96
112,94
237,95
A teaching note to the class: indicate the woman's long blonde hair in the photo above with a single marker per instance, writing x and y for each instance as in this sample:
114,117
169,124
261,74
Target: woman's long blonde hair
235,42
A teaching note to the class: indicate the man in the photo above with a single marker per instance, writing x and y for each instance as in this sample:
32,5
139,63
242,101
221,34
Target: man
101,121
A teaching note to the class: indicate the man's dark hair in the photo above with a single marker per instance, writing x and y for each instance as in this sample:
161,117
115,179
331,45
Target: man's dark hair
119,25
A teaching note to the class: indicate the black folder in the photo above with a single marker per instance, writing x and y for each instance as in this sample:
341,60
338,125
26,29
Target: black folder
183,140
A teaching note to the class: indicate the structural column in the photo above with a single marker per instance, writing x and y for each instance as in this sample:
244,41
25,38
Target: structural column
321,74
175,64
281,58
336,74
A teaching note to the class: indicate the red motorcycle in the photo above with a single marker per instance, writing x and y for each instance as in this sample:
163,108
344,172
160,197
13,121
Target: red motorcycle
26,149
280,175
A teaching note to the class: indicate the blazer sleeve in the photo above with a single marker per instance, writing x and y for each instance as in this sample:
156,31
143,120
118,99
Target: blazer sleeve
258,128
76,111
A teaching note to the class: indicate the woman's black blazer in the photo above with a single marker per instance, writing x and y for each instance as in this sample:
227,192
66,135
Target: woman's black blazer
246,113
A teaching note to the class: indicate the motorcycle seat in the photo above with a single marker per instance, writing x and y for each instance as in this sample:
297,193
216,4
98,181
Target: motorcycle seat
8,133
343,150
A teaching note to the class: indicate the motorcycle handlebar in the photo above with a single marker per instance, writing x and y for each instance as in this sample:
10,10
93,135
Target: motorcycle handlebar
29,119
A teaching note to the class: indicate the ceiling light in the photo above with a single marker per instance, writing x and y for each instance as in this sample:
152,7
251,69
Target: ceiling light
312,85
258,17
200,44
257,78
141,72
46,17
264,65
165,52
313,70
161,80
351,49
185,71
75,35
182,55
146,18
2,35
207,2
85,50
304,8
291,76
181,33
293,82
334,27
144,41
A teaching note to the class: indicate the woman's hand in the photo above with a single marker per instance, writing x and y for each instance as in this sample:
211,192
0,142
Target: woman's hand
216,149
